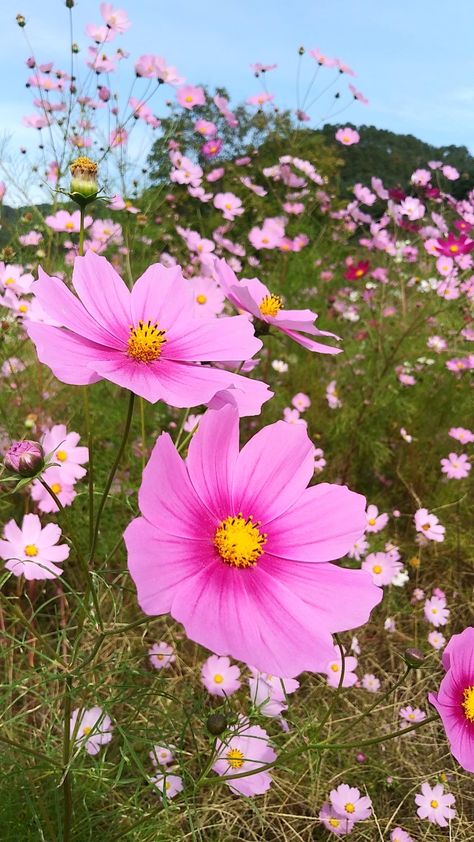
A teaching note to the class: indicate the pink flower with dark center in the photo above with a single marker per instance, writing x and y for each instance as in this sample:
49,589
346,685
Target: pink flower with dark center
454,700
434,805
243,529
219,676
255,298
350,804
32,551
245,749
147,340
456,466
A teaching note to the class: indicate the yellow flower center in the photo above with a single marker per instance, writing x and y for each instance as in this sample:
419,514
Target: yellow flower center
372,521
468,703
31,550
376,568
218,679
271,305
9,282
201,299
235,758
160,657
56,488
454,249
188,98
22,308
86,730
239,542
359,273
349,808
69,226
228,206
433,804
61,455
335,667
144,344
334,822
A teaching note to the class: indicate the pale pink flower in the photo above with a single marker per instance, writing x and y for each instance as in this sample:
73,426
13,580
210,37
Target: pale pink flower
350,804
229,204
383,567
332,397
32,551
90,729
399,835
375,522
219,676
62,488
428,525
115,19
347,136
334,822
456,466
161,655
434,805
359,549
167,784
370,683
412,208
188,96
436,640
436,612
292,416
461,434
161,756
245,748
260,99
410,715
334,670
209,299
62,447
301,402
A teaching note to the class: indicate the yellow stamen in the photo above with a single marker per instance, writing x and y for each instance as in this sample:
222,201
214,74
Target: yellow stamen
56,488
334,822
31,550
235,758
372,521
376,568
22,308
9,281
468,703
433,804
86,730
218,679
271,305
144,344
239,542
61,455
335,667
69,226
349,808
201,299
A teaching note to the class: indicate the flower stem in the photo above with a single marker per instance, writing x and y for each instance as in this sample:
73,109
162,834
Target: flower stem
67,773
111,476
81,231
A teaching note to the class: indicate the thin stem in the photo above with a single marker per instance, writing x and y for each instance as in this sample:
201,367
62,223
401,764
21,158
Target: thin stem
338,689
111,476
376,704
67,773
143,431
81,231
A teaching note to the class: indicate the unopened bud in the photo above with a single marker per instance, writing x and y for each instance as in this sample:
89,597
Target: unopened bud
216,723
414,658
83,180
25,458
301,51
21,20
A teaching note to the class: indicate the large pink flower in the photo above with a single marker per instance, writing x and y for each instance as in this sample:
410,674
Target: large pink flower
454,700
255,298
147,340
236,547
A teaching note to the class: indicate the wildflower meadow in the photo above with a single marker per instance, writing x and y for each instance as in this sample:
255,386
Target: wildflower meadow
237,432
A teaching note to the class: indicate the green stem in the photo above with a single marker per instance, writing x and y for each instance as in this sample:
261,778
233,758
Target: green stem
376,704
338,689
67,773
81,231
143,431
27,750
111,476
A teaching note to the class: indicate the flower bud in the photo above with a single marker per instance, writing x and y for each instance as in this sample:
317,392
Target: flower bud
83,180
414,658
21,20
25,458
216,723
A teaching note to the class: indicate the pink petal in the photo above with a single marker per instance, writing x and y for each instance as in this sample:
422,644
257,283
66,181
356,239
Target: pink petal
162,295
228,338
103,294
69,357
212,457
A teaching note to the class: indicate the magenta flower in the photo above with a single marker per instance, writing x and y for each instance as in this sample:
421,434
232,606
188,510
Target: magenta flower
454,700
219,676
434,805
90,729
32,551
255,298
456,466
350,804
245,749
243,530
147,340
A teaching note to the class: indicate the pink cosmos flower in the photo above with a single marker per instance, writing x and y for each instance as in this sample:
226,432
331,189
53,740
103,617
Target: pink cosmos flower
255,298
14,278
400,835
375,522
229,204
436,640
434,805
62,220
332,396
454,700
359,549
57,482
208,297
245,749
301,402
244,529
260,99
428,525
334,822
32,551
161,655
205,128
333,670
383,567
409,715
90,729
436,612
147,340
350,804
188,96
269,692
168,784
456,466
116,19
292,416
63,449
219,676
461,434
161,756
30,239
347,136
370,682
212,147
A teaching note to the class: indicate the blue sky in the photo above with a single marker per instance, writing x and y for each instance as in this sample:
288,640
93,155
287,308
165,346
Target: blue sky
414,60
